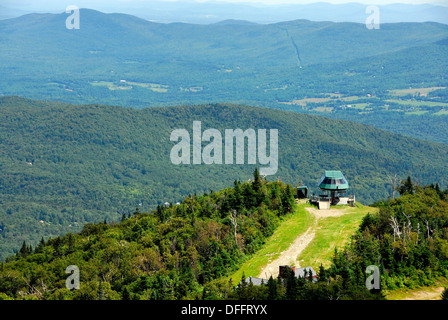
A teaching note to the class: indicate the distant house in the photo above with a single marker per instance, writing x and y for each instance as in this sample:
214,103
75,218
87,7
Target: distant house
304,273
302,192
256,281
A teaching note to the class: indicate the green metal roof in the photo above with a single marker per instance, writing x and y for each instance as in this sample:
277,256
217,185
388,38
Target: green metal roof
333,180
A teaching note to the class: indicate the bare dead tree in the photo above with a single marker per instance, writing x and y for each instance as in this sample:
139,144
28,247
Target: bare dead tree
393,181
418,231
408,227
232,216
44,286
333,296
396,227
34,290
428,229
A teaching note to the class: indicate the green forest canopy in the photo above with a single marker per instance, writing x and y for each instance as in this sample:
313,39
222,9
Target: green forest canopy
65,165
186,250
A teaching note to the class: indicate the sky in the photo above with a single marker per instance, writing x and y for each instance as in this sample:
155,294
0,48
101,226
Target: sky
53,4
370,2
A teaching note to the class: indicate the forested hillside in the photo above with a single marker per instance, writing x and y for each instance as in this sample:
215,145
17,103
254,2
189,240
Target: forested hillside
341,70
167,254
186,250
63,165
407,239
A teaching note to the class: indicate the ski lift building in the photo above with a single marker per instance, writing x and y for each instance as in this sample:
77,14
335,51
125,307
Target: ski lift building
333,184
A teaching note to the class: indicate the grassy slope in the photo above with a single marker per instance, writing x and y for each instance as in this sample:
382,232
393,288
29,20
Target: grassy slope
290,228
331,232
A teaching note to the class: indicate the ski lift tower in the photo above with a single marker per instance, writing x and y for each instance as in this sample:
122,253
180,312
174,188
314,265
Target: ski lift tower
333,182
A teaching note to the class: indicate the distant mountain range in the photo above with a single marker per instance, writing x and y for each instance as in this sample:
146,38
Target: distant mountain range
212,58
212,12
124,60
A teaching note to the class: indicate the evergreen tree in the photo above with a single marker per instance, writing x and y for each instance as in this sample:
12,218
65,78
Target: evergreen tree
291,285
272,289
243,282
367,221
322,275
256,184
237,199
310,275
406,187
249,196
71,242
287,199
126,295
439,191
24,250
40,246
445,294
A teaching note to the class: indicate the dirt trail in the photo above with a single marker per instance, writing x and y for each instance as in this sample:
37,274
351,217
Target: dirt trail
289,256
430,294
321,214
424,294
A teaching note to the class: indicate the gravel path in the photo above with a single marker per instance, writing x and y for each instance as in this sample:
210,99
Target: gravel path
289,256
321,214
425,294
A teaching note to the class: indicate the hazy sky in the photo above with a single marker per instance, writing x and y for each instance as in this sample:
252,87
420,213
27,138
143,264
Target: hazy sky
373,2
53,4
